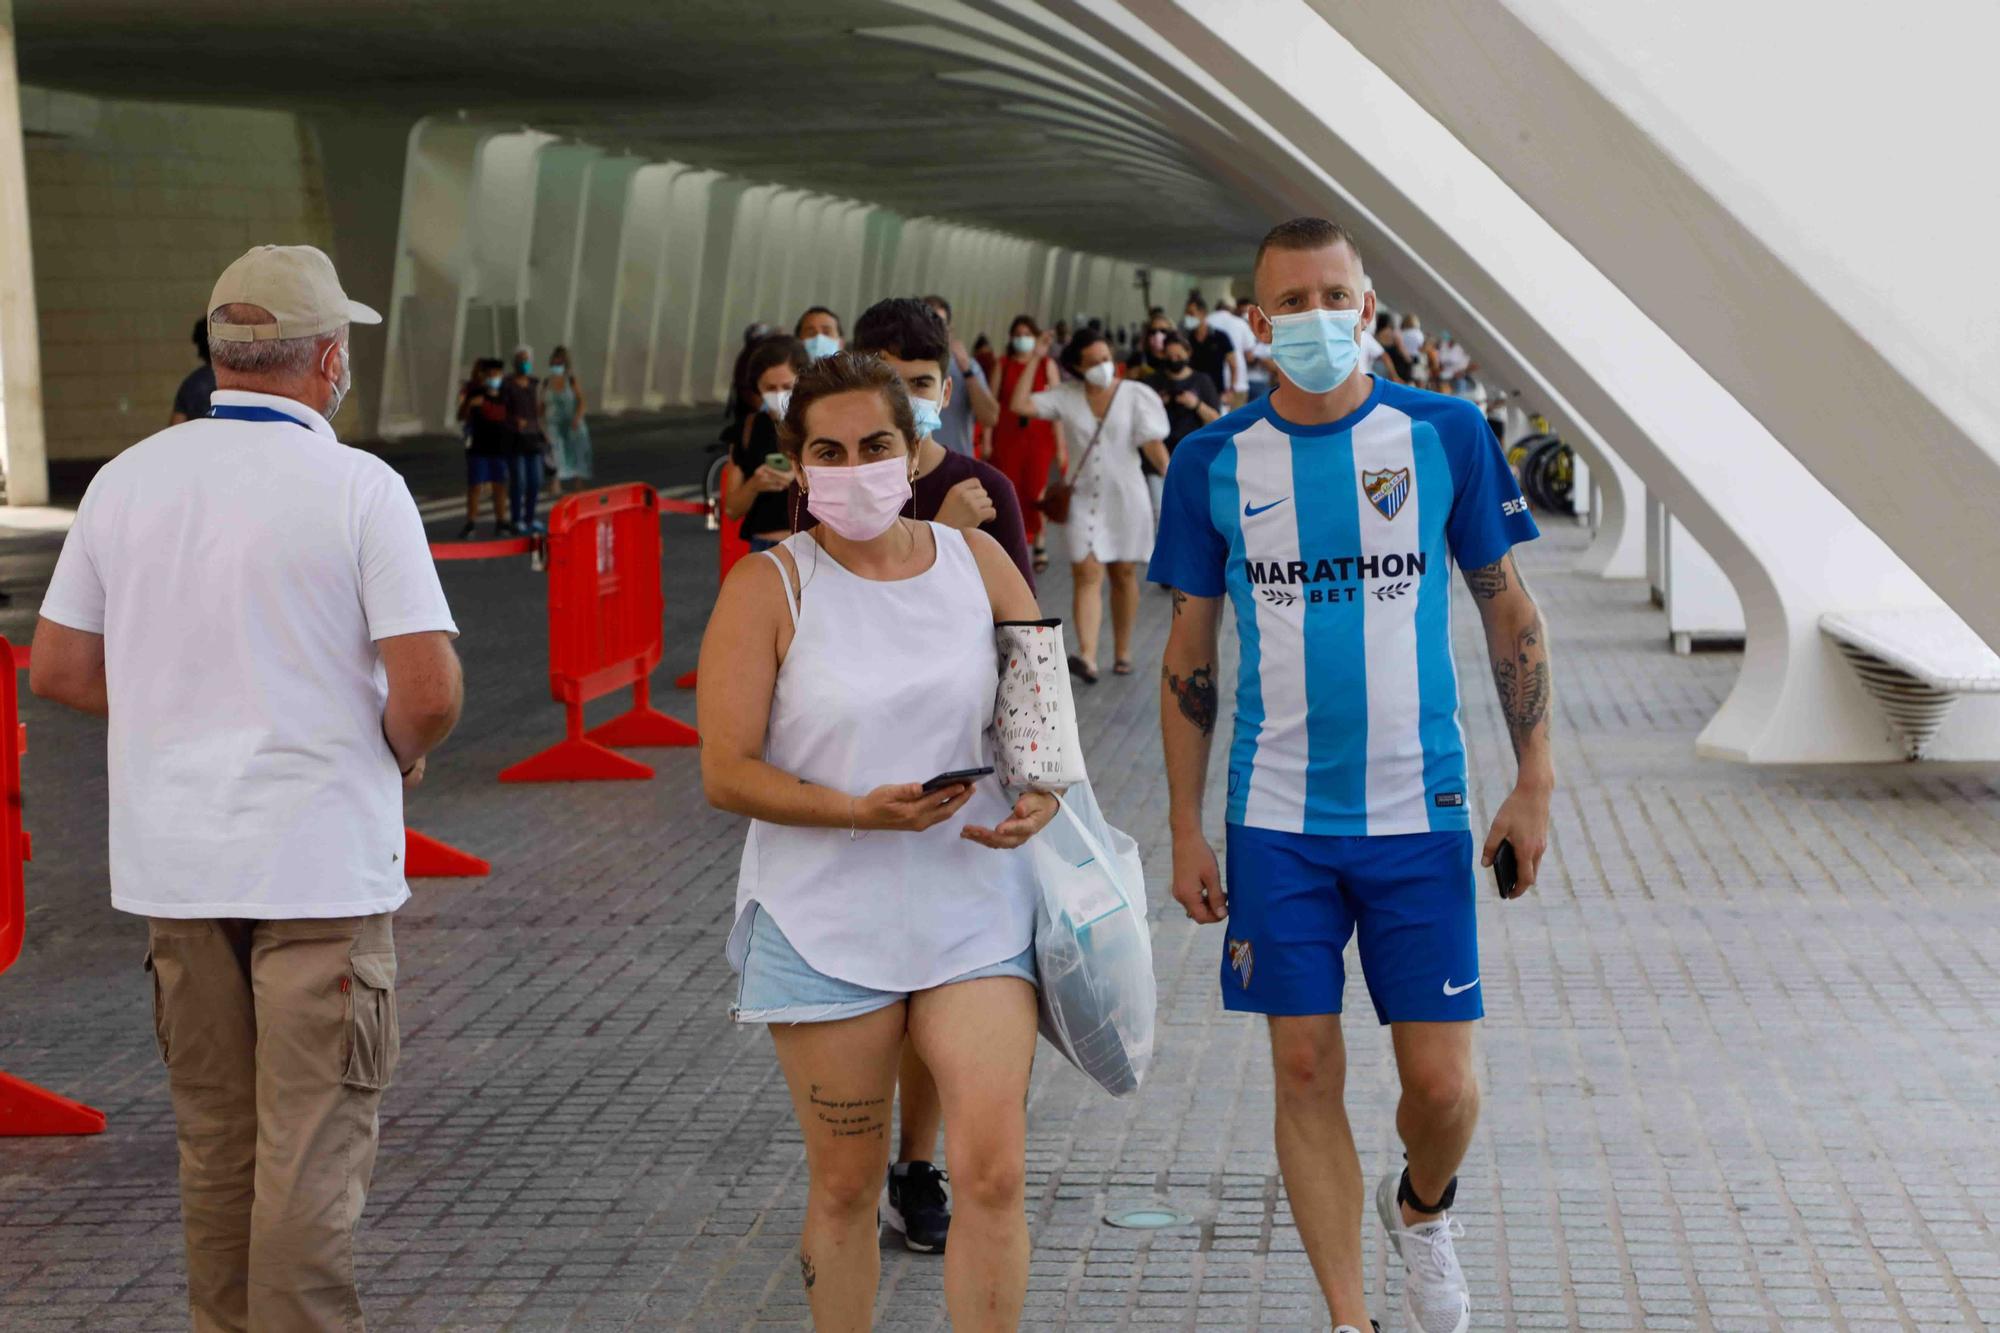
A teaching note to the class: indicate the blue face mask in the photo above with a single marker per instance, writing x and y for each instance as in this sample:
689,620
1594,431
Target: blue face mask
525,366
929,418
820,345
1316,348
493,384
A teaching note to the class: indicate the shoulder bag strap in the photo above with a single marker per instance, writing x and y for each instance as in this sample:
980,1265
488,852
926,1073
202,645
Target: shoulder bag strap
1077,471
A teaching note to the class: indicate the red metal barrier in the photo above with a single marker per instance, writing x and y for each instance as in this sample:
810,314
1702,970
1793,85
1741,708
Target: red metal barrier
24,1108
605,632
425,857
729,549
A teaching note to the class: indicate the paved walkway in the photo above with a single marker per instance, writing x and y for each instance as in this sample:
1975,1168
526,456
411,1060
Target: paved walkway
1739,1065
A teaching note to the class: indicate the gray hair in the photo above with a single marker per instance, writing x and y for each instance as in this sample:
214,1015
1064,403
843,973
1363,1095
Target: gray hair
282,358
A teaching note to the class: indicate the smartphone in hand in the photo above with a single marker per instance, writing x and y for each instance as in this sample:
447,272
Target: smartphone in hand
952,779
1506,870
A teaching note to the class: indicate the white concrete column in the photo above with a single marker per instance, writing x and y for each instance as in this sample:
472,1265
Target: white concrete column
548,282
361,161
23,448
600,244
787,254
1045,293
1619,125
738,256
700,205
1617,547
635,302
436,267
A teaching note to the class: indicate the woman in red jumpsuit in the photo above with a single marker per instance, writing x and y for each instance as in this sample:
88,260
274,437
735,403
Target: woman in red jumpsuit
1022,447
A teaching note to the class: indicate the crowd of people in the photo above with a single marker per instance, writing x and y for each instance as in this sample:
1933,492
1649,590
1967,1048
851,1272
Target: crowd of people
899,493
1095,414
519,431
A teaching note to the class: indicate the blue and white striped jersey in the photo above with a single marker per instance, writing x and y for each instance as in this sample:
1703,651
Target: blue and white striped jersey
1336,544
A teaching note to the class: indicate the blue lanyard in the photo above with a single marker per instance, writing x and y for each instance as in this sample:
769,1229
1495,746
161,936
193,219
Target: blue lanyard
230,412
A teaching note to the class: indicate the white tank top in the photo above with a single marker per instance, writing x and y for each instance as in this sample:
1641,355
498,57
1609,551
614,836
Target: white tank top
887,682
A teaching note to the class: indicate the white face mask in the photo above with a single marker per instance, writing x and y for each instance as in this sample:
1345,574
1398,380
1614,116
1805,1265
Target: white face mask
341,387
1023,343
1100,375
776,401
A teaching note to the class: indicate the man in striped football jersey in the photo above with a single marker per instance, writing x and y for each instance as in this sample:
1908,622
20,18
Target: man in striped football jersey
1331,514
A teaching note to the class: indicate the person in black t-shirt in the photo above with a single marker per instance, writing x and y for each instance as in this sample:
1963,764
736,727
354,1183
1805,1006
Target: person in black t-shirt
489,443
1192,400
191,400
754,491
1209,348
1400,366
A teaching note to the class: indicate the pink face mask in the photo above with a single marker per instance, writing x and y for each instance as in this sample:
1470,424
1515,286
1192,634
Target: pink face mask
859,503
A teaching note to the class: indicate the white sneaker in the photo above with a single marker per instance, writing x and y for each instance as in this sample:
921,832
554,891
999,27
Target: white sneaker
1434,1296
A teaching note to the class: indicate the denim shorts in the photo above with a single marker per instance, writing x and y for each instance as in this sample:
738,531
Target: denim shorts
778,986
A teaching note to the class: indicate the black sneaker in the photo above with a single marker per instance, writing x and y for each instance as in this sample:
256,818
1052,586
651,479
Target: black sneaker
918,1207
465,533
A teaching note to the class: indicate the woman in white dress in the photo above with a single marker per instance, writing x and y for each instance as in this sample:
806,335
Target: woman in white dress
841,670
1111,512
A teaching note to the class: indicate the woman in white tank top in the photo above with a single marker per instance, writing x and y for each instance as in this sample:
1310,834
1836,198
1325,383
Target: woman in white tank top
839,673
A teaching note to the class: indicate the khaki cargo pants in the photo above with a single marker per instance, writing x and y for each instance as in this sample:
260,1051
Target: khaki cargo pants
278,1037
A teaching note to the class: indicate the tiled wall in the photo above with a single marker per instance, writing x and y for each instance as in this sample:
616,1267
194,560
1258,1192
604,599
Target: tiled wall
135,208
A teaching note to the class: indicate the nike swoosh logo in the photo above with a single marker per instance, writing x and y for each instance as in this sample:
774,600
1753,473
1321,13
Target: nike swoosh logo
1450,989
1251,511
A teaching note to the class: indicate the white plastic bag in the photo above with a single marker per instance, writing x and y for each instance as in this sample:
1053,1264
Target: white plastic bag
1092,948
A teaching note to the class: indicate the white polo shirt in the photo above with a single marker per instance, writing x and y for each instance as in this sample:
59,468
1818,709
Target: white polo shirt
240,573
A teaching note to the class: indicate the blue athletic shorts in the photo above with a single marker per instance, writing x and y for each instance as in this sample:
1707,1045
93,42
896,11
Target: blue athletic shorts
778,986
483,468
1295,898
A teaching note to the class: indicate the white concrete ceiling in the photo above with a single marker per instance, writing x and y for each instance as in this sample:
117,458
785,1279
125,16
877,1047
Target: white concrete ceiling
932,111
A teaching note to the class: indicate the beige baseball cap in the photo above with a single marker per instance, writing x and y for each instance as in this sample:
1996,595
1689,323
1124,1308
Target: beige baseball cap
296,283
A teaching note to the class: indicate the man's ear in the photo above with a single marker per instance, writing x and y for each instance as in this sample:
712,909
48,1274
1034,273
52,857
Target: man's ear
944,389
1260,323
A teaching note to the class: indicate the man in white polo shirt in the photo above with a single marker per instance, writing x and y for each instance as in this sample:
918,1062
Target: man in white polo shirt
254,607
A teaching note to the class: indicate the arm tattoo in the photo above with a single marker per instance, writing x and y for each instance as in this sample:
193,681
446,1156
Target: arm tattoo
1180,600
806,1273
1488,582
1523,680
1195,695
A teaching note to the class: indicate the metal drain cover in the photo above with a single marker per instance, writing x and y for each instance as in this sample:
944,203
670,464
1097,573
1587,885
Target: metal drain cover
1147,1217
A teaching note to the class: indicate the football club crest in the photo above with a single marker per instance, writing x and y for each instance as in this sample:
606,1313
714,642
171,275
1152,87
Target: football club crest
1387,490
1240,958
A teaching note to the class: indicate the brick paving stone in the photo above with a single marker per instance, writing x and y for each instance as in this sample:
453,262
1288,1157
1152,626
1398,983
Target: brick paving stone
1738,1060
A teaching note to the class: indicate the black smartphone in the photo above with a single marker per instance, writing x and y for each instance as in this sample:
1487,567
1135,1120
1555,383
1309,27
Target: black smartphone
1506,870
966,775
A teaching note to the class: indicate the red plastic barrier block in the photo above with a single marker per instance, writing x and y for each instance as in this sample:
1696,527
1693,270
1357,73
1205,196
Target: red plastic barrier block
642,728
577,760
28,1110
427,858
